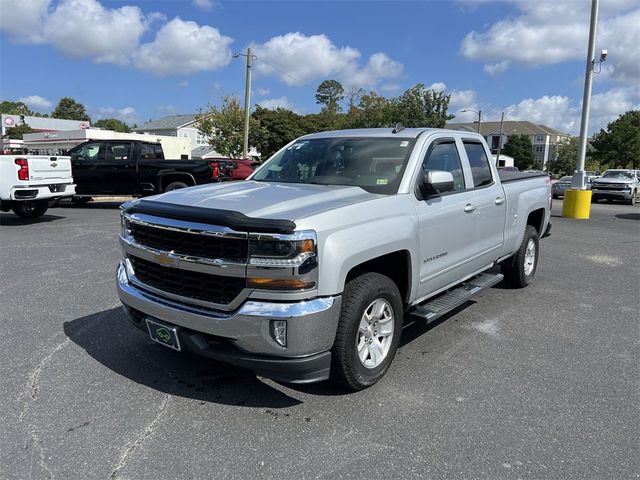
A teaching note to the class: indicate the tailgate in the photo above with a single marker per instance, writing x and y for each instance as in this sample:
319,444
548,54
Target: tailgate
49,168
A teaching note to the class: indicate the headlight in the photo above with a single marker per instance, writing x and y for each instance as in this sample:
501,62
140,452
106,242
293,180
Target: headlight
125,226
282,250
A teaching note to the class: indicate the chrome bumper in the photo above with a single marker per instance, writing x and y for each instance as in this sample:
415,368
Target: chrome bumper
311,324
612,193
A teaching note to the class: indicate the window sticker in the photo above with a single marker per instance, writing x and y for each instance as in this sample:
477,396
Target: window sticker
404,143
382,181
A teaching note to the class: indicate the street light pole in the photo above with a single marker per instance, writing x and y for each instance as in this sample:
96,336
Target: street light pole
500,141
579,174
479,119
247,105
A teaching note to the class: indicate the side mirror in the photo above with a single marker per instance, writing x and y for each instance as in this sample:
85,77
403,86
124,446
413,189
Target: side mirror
435,182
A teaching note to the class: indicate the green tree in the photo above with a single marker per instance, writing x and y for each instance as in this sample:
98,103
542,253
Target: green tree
275,129
69,109
224,127
17,131
15,108
566,156
112,124
521,149
329,94
373,111
422,107
619,145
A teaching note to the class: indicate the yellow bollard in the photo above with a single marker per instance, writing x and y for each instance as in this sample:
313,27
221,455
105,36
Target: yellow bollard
577,204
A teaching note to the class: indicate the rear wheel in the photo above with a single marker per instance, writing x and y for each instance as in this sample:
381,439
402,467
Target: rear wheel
31,209
368,331
175,186
520,269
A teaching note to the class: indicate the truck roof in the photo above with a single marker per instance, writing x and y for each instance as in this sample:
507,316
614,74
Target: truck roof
384,132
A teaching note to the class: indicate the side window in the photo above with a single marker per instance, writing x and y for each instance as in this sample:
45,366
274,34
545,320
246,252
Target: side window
117,151
480,169
444,156
88,151
151,151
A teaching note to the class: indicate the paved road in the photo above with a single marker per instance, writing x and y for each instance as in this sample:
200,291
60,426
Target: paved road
535,383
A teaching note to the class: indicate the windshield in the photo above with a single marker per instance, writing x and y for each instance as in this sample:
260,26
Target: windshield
374,164
618,174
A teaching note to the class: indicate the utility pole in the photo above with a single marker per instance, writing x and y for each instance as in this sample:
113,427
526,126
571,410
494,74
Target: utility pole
500,141
579,175
479,119
247,105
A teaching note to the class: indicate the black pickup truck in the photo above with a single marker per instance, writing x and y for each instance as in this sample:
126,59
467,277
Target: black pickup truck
131,167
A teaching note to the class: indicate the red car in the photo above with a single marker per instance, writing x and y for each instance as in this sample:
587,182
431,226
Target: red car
232,168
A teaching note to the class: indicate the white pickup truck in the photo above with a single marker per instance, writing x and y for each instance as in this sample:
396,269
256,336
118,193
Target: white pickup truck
29,182
307,269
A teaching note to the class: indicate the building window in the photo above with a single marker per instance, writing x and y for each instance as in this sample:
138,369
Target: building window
201,139
185,134
539,139
539,148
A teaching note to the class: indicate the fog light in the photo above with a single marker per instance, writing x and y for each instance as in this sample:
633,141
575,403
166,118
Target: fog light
279,332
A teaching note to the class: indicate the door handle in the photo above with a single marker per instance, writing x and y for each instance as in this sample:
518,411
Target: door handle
499,201
469,208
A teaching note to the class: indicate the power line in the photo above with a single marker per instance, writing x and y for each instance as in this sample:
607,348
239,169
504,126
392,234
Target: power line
283,72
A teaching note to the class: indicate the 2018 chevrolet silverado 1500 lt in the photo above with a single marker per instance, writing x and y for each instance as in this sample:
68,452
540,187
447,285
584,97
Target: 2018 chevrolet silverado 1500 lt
132,167
305,270
617,184
29,182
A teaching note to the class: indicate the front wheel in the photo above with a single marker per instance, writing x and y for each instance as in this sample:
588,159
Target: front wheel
520,269
632,200
175,186
31,209
368,332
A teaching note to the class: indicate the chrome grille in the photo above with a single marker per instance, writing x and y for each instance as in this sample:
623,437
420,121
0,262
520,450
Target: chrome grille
186,283
185,243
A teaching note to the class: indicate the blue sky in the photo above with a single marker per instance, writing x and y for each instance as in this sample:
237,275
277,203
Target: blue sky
143,60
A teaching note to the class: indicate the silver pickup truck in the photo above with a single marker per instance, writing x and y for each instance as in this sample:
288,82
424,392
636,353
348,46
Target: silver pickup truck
306,270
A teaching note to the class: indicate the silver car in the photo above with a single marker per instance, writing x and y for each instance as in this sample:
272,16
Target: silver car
558,188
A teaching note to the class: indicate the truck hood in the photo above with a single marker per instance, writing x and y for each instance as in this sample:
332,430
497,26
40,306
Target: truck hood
616,181
285,201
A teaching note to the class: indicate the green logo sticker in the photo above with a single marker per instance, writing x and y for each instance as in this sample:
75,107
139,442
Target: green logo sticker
163,334
382,181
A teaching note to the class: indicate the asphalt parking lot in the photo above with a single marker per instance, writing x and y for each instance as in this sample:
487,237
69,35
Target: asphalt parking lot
542,382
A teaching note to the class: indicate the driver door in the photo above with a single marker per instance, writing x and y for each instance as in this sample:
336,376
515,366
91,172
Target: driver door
447,226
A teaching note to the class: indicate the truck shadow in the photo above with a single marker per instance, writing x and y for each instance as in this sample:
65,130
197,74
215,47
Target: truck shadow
11,219
110,339
628,216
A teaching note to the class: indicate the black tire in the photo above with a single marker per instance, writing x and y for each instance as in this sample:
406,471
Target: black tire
632,200
80,201
361,293
554,196
175,186
515,270
30,209
594,199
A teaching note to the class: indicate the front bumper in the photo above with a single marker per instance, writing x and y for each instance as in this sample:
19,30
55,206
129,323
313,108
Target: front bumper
243,337
625,194
42,192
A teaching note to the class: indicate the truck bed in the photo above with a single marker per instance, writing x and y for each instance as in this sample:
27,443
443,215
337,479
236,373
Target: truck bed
508,176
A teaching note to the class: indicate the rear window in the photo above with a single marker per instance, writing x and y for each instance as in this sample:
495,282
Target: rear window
480,169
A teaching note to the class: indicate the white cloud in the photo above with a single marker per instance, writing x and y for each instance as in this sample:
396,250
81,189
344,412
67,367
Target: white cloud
496,68
391,87
128,115
312,58
552,32
170,109
22,20
182,47
263,91
438,86
273,103
184,84
36,102
203,4
84,28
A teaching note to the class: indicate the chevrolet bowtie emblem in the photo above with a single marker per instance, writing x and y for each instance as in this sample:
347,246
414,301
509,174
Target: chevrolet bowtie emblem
165,259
